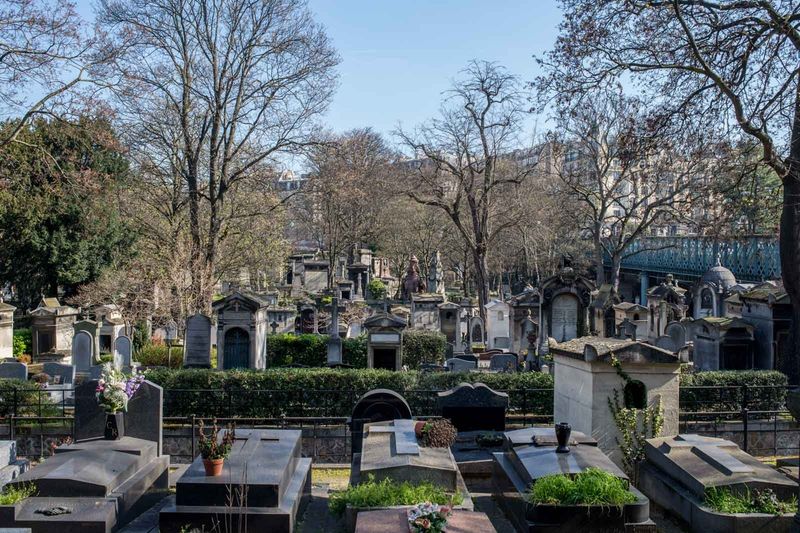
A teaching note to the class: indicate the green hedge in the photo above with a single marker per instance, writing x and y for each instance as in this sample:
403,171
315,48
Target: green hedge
420,346
29,399
312,350
303,392
766,390
156,355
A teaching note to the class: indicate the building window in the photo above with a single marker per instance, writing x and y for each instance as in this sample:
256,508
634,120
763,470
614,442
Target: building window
500,316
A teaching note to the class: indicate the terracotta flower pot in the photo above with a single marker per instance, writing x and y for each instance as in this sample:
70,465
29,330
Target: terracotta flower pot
418,427
213,466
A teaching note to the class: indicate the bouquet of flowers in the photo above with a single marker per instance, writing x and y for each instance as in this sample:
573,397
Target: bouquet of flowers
428,517
114,389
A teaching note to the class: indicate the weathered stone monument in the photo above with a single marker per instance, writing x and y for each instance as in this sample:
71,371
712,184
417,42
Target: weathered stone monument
377,405
456,364
52,327
436,275
197,348
6,329
83,345
123,353
385,340
504,362
241,331
585,381
334,340
678,471
13,370
413,282
95,484
450,325
530,455
92,327
264,484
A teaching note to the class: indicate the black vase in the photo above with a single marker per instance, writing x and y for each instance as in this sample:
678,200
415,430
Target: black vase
115,426
563,431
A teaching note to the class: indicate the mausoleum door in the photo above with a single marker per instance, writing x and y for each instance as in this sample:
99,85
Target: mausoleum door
384,358
237,349
565,318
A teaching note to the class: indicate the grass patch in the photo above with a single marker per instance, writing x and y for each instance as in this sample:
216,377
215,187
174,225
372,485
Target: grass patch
386,493
724,500
592,487
335,478
12,495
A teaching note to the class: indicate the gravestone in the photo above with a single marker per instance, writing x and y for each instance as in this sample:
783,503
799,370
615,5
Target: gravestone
377,405
334,340
677,332
472,358
61,382
13,370
474,407
123,353
504,362
264,480
143,419
678,470
460,365
82,351
502,343
96,483
477,330
10,466
197,351
530,455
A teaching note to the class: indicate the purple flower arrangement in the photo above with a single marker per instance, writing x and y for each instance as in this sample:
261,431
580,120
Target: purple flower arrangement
115,389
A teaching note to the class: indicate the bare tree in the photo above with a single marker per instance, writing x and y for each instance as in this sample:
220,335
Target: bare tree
733,62
244,82
627,173
463,167
46,53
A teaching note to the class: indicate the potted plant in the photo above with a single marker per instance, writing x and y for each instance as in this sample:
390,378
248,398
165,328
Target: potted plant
428,518
114,390
214,450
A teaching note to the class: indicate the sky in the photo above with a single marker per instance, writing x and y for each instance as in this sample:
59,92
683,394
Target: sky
399,56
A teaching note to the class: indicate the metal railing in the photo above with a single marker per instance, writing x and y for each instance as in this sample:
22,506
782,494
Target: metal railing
755,417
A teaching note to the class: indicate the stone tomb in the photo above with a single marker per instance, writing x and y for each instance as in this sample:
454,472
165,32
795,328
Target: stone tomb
529,455
377,405
456,364
264,485
197,349
391,450
474,407
96,485
14,370
504,362
678,470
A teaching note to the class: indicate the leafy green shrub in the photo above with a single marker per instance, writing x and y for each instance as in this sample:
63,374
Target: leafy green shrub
386,493
312,350
591,487
420,346
24,398
377,289
22,342
724,500
766,390
13,494
156,355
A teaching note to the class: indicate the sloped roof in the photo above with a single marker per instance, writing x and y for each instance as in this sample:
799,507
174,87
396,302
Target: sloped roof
629,306
602,348
252,301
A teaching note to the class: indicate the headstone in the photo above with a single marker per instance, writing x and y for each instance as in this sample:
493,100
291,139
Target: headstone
502,343
82,350
476,330
123,353
474,407
530,455
197,353
472,358
264,479
677,472
460,365
10,466
143,419
334,340
13,370
376,406
504,362
677,332
60,374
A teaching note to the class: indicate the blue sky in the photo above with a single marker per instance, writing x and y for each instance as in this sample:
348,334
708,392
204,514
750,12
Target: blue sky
398,56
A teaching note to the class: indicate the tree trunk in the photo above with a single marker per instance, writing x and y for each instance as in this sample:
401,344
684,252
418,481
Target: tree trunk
616,266
481,282
787,362
600,275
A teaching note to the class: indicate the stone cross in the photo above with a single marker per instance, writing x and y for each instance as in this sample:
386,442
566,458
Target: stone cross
712,451
405,439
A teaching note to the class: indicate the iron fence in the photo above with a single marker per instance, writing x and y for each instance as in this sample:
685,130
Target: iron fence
755,417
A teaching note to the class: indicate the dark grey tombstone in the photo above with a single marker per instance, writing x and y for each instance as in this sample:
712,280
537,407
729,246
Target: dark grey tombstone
666,343
502,342
334,340
13,370
460,365
123,352
677,333
65,372
378,405
143,420
468,357
474,407
197,353
627,329
82,351
504,362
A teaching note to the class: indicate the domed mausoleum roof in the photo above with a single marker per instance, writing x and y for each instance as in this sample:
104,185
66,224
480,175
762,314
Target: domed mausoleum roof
720,276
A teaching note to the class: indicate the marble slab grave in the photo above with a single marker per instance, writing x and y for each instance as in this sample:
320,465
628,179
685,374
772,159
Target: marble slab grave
265,483
545,436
